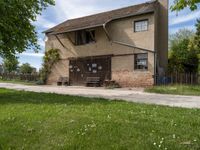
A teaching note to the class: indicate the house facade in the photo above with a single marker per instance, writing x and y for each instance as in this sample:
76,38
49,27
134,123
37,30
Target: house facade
127,45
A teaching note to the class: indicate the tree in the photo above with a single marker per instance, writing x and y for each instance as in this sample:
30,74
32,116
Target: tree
26,68
197,36
181,4
180,35
182,58
10,65
17,33
195,43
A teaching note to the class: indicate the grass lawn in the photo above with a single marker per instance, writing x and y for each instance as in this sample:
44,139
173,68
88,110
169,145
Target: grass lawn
49,121
18,82
176,90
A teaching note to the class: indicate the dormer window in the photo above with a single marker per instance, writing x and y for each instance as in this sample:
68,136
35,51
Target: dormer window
141,25
84,37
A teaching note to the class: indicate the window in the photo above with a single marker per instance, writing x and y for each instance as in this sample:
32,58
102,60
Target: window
84,37
141,25
141,61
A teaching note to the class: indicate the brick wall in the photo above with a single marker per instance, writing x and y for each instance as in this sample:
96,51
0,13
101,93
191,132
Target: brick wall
126,78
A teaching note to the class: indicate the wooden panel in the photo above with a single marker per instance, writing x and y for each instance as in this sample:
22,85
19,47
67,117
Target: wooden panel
82,68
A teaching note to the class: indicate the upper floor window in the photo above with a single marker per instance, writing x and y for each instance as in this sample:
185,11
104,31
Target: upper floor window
84,37
141,25
141,61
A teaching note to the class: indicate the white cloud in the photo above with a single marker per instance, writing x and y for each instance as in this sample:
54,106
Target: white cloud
73,9
43,23
41,42
184,17
176,29
32,54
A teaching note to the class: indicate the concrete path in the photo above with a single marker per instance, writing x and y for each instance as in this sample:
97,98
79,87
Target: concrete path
133,95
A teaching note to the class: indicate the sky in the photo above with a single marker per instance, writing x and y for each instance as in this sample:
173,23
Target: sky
68,9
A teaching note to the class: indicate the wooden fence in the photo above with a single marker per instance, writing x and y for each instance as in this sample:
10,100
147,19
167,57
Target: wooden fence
22,77
179,78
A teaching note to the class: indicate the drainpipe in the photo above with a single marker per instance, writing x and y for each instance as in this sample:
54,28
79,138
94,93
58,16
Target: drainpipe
132,46
63,44
155,68
122,43
106,31
60,41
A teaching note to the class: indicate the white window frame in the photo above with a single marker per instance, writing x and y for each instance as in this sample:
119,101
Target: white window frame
142,60
140,29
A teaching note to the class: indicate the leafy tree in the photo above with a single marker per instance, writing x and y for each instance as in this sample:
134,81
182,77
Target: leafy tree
26,68
197,36
195,43
16,30
181,4
182,58
180,35
10,65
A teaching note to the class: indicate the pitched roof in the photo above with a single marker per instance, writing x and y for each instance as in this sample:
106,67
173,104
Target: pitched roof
97,20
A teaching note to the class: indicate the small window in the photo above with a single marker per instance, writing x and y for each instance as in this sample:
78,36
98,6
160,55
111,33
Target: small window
84,37
141,25
141,61
90,36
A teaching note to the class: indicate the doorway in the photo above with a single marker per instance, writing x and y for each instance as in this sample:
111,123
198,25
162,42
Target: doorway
81,68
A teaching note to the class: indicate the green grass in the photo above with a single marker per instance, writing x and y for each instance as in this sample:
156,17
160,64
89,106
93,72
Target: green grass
49,121
18,82
175,90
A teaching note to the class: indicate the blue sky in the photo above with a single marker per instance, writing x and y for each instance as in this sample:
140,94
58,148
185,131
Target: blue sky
67,9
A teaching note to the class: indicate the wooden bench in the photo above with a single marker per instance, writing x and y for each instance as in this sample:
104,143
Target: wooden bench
63,81
93,81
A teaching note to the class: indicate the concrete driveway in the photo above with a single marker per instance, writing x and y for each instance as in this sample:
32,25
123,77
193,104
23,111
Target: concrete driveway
133,95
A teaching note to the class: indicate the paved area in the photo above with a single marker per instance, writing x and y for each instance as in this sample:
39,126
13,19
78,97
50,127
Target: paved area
131,95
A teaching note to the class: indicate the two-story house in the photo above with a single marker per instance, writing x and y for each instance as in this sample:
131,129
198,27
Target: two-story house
127,45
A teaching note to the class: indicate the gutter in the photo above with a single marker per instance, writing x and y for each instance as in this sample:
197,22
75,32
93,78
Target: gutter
132,46
119,42
60,41
63,44
106,31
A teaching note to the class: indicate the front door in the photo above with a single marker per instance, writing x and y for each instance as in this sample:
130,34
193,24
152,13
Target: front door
82,68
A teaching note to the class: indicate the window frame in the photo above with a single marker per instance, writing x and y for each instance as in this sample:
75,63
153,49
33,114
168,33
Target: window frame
94,36
87,41
135,62
136,21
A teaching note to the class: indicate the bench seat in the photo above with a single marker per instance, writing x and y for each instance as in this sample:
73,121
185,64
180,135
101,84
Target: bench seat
93,81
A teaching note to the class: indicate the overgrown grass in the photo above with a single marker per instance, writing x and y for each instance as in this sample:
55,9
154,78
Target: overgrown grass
18,82
49,121
176,90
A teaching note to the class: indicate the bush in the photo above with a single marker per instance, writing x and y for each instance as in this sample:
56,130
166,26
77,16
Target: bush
40,82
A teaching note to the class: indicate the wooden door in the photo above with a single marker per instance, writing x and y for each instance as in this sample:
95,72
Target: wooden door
76,73
82,68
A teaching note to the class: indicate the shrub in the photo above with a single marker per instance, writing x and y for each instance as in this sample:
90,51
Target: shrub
51,57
